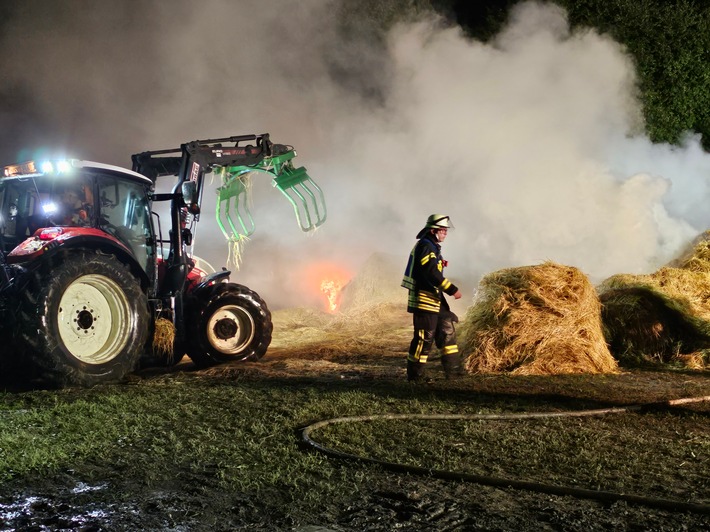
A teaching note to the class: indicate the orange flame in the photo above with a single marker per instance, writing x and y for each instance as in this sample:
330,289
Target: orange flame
331,288
327,279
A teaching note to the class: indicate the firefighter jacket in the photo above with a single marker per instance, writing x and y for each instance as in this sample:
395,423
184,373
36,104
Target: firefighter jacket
424,278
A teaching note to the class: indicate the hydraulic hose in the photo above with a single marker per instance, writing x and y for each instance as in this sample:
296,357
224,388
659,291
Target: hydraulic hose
608,496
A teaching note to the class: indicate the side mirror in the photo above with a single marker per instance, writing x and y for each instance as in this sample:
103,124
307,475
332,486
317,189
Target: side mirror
191,197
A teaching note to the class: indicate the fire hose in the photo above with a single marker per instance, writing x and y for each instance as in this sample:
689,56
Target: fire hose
582,493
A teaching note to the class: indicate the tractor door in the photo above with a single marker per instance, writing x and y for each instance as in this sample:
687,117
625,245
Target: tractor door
22,210
124,213
13,212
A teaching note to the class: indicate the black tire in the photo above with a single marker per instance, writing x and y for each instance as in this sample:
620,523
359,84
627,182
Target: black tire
227,322
84,321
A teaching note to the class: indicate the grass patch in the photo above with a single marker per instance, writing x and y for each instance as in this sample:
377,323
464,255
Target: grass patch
241,438
659,454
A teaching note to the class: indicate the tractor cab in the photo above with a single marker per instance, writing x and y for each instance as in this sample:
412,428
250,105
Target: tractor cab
30,200
55,200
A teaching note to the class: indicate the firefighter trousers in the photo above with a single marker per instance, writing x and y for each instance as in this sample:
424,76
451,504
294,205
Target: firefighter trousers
429,330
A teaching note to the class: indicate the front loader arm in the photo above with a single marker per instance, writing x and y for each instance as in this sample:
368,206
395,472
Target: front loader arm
210,152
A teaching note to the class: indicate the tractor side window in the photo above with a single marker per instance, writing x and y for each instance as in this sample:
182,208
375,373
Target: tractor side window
124,214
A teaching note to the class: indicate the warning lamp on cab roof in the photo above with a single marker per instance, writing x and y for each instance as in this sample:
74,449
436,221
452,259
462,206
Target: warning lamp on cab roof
61,166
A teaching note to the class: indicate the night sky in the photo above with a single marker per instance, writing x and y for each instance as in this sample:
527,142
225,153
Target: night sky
29,118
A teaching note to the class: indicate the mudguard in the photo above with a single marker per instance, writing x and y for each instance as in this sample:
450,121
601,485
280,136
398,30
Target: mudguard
209,280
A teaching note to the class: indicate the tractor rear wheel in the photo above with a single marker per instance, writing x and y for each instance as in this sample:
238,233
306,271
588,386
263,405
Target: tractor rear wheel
85,321
227,322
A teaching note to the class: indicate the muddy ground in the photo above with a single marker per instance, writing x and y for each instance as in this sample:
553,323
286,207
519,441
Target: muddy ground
394,501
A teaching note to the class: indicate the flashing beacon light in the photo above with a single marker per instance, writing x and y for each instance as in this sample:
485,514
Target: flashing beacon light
62,166
27,168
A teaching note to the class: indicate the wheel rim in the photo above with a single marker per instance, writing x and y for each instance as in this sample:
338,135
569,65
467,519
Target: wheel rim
94,319
230,329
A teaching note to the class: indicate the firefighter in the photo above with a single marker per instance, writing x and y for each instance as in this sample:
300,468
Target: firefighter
433,320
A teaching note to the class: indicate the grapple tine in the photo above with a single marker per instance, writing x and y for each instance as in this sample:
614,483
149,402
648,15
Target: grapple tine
318,202
230,194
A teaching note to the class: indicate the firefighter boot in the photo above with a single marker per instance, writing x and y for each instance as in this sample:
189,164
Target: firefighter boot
415,372
452,366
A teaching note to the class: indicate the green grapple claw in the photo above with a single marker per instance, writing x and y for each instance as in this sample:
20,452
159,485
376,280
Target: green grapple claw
293,184
234,196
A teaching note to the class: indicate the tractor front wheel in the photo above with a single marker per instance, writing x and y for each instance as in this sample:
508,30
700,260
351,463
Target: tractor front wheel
227,322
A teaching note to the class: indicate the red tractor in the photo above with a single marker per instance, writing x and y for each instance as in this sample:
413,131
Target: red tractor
85,273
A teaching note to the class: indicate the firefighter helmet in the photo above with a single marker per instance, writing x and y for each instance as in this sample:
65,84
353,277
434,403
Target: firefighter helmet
436,221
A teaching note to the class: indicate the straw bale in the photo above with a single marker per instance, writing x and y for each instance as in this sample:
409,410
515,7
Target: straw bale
696,256
689,288
663,317
164,339
540,320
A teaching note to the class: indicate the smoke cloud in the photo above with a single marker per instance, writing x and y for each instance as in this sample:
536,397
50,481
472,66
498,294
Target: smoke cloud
532,143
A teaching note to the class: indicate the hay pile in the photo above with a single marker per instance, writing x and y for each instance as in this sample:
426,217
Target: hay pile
696,257
374,332
535,320
663,317
370,321
376,283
